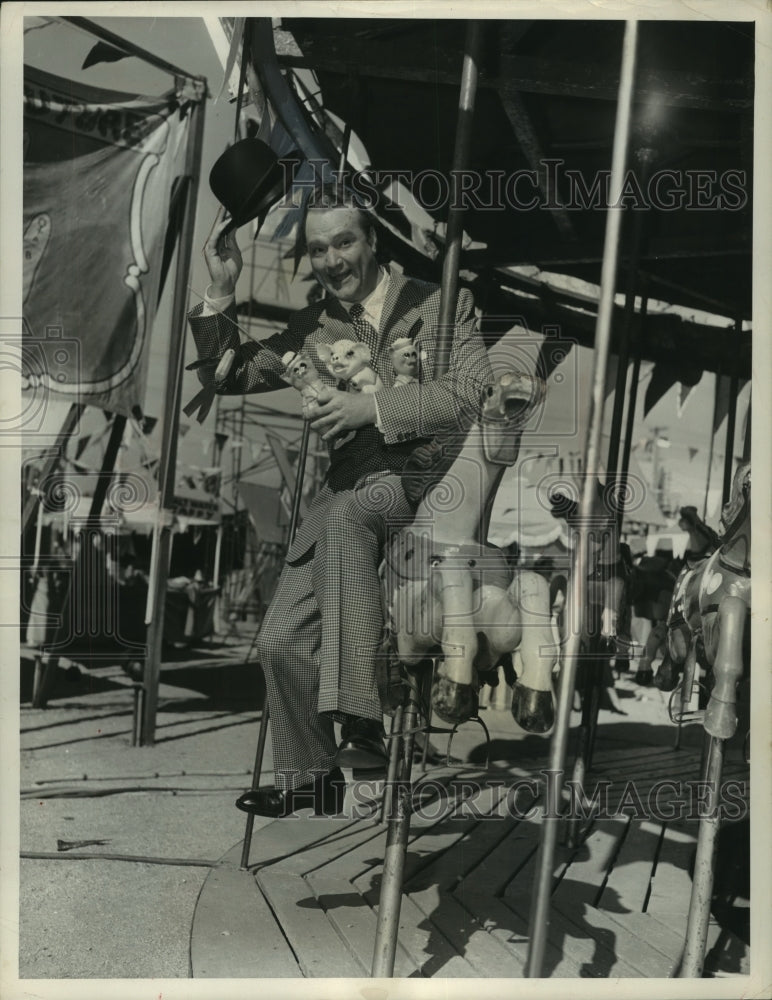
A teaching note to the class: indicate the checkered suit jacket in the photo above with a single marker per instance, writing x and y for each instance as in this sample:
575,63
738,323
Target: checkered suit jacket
409,414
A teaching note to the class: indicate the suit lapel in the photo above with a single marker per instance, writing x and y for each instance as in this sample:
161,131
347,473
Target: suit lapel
400,317
334,323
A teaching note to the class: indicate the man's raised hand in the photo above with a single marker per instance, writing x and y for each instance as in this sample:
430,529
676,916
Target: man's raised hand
222,256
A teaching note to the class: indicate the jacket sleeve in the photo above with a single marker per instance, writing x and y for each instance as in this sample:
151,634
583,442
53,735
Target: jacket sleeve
428,408
257,366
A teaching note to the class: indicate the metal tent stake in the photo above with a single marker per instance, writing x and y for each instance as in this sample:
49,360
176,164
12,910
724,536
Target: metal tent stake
400,806
539,917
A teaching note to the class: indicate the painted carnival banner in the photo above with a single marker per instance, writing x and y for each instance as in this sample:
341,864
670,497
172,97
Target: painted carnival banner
99,168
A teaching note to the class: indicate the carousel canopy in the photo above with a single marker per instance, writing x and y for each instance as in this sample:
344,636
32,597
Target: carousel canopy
541,152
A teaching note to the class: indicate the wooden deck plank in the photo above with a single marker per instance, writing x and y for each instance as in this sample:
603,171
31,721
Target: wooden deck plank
426,944
485,953
591,946
277,842
623,939
331,850
446,837
450,867
649,929
628,882
671,885
592,861
320,950
355,921
368,851
495,870
234,931
511,930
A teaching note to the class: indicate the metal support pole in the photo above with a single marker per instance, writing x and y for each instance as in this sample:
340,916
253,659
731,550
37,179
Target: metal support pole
390,900
53,459
747,441
712,443
731,420
166,474
455,225
644,157
539,918
395,752
631,405
399,824
704,864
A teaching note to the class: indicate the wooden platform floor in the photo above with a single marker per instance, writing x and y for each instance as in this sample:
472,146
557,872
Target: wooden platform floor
307,905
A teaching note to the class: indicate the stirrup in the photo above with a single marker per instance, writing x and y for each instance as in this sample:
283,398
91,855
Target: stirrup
676,716
475,718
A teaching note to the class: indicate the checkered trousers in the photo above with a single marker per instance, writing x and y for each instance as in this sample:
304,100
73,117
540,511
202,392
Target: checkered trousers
320,638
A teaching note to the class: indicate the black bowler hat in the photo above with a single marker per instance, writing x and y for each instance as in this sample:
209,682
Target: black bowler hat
249,178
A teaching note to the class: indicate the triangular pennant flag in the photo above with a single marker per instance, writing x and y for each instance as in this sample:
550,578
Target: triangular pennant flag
102,52
663,378
723,393
148,423
684,394
692,453
183,429
82,444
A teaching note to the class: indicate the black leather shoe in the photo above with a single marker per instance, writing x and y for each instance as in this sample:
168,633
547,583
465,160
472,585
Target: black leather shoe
361,745
324,795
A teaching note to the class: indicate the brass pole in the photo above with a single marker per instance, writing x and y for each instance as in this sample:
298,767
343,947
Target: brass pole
539,918
399,821
704,864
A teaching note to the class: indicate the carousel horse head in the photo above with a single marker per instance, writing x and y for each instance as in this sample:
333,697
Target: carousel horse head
735,550
739,496
506,405
701,536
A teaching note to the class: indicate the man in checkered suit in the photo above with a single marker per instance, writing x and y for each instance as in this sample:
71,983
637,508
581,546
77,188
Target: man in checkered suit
319,641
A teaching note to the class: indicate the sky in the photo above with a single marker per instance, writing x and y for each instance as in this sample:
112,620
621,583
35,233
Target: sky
186,42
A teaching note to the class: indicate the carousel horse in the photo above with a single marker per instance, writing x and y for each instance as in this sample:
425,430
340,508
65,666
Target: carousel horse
722,625
724,608
609,578
448,588
676,631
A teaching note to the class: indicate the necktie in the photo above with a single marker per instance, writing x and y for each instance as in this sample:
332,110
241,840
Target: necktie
363,330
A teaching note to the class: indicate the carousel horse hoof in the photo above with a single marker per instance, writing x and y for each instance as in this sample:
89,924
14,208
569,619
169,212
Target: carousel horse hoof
720,719
533,711
667,675
453,702
644,678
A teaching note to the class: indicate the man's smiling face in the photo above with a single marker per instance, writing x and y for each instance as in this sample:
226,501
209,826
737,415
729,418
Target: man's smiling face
342,253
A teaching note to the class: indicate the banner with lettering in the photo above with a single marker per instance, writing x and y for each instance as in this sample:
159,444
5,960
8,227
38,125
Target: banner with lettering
99,168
